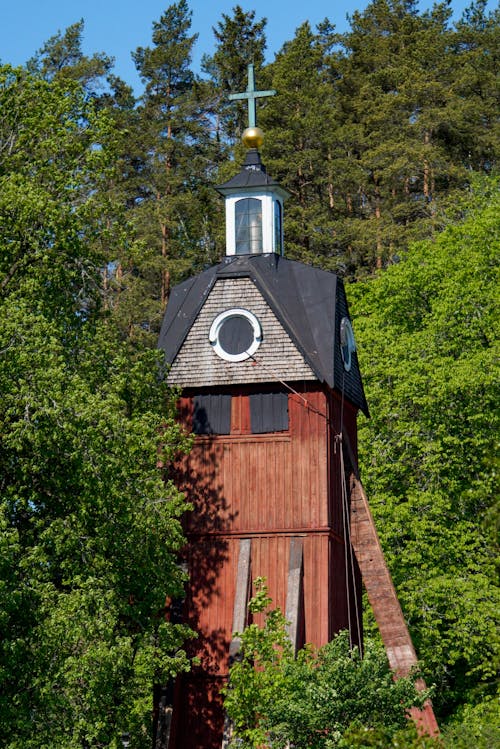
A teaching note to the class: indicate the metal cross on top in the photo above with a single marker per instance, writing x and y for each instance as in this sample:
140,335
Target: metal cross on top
251,95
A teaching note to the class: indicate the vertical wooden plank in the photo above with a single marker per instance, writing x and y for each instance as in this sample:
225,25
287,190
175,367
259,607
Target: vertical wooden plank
283,486
239,617
238,497
246,427
241,595
163,724
236,414
294,595
296,468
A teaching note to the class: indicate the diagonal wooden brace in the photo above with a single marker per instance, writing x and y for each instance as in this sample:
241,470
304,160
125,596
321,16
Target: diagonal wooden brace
382,594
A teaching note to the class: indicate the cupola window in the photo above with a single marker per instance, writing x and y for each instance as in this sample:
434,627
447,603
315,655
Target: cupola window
248,219
278,224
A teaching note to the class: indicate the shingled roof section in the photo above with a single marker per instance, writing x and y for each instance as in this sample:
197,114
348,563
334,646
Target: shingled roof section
308,302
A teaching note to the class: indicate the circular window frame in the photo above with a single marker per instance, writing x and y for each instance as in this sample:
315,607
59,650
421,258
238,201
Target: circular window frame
215,329
347,343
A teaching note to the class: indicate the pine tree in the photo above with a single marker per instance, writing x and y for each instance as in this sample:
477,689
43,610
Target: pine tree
173,204
475,87
393,97
412,124
299,124
62,57
375,131
240,41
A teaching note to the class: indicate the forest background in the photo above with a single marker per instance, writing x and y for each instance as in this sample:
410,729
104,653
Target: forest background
386,136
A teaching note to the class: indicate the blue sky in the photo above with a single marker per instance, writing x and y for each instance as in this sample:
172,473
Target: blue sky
119,26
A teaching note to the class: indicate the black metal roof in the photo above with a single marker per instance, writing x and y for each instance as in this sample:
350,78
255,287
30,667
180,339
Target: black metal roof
308,302
252,174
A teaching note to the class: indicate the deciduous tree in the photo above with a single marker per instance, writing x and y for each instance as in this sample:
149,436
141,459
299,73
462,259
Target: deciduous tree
173,202
313,701
428,343
89,527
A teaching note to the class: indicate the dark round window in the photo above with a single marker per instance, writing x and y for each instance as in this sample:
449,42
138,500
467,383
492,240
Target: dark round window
236,335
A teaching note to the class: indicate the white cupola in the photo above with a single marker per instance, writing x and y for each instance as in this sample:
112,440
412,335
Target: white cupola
254,210
254,201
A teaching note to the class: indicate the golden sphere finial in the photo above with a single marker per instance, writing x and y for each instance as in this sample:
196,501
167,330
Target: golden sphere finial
253,137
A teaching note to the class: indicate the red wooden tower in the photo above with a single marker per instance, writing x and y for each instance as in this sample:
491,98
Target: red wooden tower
264,352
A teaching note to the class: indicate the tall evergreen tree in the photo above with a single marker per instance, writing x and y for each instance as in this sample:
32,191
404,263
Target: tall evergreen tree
173,204
404,103
372,130
476,49
240,40
298,124
394,95
62,57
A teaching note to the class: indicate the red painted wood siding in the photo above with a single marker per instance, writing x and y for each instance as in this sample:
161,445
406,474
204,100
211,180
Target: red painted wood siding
268,488
243,482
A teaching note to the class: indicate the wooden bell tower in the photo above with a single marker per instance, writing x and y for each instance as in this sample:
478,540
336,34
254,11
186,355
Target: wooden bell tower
263,350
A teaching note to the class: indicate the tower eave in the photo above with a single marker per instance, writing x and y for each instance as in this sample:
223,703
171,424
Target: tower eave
252,187
252,175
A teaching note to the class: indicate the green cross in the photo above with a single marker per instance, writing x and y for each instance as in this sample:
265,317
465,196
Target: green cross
251,95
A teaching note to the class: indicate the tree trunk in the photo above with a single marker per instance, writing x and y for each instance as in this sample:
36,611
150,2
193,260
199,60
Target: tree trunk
427,171
165,274
378,216
331,194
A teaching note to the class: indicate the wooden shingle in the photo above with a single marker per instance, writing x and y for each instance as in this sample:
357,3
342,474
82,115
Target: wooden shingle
277,358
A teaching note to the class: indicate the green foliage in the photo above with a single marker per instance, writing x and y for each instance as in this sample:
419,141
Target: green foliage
92,531
315,700
104,204
475,725
361,737
89,527
297,149
172,205
61,57
52,166
428,341
375,130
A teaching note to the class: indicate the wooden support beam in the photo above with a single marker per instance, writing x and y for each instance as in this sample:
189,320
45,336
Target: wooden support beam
378,583
241,595
384,601
239,617
382,594
294,596
163,723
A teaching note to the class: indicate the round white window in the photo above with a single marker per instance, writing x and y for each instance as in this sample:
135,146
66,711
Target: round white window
235,334
347,342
